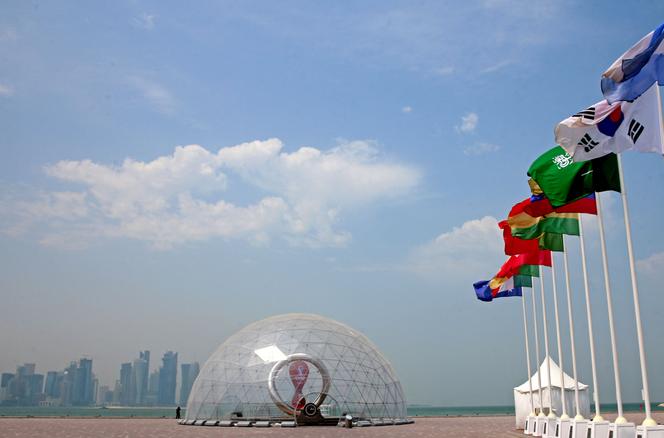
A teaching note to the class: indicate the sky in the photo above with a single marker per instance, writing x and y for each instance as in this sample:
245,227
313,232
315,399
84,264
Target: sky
171,173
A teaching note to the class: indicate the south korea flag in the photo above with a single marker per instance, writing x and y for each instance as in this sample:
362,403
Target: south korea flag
603,128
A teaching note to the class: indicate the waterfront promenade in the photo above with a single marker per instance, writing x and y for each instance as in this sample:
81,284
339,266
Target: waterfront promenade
429,427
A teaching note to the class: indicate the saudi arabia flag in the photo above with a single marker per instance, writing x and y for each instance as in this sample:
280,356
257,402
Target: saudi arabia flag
563,180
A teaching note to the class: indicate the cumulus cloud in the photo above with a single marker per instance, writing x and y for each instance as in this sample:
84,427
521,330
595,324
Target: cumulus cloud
468,123
474,248
652,265
179,198
480,148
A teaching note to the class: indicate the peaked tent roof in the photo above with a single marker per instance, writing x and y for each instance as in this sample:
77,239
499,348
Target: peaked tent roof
555,379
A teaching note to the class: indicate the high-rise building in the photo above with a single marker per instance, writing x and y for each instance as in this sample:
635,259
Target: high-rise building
50,388
139,382
126,390
5,379
104,396
83,391
23,388
67,384
153,388
188,376
167,379
144,377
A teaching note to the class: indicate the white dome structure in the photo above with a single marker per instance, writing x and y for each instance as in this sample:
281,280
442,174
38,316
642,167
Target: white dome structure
296,369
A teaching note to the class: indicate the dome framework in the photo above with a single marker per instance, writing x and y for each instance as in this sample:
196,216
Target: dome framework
299,369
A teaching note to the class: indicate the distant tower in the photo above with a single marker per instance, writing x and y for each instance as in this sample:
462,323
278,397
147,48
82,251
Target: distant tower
126,394
142,391
83,391
189,373
139,382
167,379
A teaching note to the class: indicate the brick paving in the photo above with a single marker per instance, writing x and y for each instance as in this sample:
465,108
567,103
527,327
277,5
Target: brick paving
443,427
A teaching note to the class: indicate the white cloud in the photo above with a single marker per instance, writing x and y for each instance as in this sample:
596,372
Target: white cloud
407,109
444,71
177,198
652,265
473,249
6,90
159,97
481,148
144,21
468,123
495,67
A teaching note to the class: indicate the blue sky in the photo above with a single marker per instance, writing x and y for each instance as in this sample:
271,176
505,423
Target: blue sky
172,173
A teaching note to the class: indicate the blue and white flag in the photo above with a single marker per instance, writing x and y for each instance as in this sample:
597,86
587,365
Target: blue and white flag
636,70
604,128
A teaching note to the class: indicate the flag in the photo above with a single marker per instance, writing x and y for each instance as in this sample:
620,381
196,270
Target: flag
604,128
529,270
485,293
540,205
563,180
523,281
636,70
515,245
513,265
525,226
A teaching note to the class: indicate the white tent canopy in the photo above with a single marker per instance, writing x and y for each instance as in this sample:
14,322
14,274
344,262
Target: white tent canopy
522,394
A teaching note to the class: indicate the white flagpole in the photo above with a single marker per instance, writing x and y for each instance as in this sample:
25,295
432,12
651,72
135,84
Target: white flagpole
649,421
525,333
609,301
589,315
578,415
546,346
560,347
537,349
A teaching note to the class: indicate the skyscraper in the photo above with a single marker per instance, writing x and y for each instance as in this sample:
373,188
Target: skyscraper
167,379
82,392
144,378
139,382
189,374
126,396
67,384
50,389
153,388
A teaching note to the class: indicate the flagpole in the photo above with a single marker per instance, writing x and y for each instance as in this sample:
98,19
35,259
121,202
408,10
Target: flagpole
560,348
546,346
649,421
578,415
525,333
537,350
589,315
609,301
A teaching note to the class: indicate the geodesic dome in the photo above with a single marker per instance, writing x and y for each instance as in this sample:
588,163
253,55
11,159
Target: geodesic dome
275,369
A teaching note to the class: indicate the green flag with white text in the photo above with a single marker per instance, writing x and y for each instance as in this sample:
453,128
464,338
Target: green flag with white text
563,180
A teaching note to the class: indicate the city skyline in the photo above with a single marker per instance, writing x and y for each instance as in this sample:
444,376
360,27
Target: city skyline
77,385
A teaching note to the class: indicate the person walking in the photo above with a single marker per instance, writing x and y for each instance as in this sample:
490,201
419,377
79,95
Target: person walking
177,413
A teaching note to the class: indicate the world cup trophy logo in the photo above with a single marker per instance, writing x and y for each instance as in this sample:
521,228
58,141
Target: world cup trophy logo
299,372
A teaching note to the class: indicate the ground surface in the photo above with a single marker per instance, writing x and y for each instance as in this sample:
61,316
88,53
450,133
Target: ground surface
444,427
